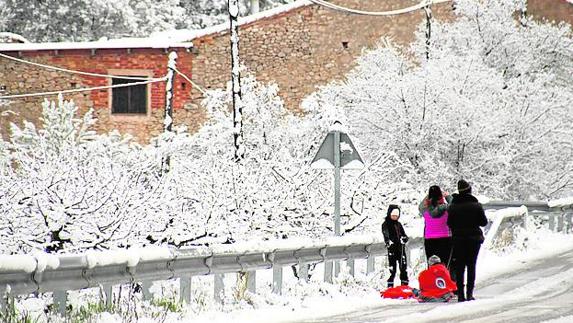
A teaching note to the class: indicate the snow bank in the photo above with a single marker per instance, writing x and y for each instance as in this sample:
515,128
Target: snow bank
568,201
322,164
337,126
24,263
46,261
38,261
508,212
130,257
296,243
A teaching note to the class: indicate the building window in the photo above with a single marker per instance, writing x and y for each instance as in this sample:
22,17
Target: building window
129,99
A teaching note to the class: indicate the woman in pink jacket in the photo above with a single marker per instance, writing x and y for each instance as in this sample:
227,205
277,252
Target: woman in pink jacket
437,235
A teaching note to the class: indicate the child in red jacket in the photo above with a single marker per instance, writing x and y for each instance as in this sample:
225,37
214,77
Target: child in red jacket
436,284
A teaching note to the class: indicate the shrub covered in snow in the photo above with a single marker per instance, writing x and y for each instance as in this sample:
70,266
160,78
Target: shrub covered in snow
493,104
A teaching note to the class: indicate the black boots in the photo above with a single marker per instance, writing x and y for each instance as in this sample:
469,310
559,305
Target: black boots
461,297
470,294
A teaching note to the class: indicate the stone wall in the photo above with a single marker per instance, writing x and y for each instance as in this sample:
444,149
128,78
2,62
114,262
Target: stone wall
307,47
18,78
551,10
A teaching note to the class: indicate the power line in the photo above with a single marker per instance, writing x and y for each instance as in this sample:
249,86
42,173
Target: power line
17,96
74,71
421,5
190,81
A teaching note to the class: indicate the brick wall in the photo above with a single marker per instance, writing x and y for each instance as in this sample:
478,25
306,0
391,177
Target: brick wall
22,78
307,47
552,10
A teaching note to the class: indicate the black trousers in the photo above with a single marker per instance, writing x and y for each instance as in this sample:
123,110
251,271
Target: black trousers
466,253
397,258
441,247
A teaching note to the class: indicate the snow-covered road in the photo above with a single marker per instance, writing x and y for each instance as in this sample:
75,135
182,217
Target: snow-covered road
543,291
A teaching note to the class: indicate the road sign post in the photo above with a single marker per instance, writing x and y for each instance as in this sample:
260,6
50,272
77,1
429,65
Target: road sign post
337,184
337,152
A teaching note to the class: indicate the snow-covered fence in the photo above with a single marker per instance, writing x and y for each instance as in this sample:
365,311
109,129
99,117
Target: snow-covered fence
41,273
510,215
557,213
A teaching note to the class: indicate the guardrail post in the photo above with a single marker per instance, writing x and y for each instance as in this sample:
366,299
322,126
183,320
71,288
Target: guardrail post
252,281
560,222
551,222
218,287
277,279
146,289
108,291
336,268
303,272
185,289
370,264
60,298
4,299
328,271
350,264
409,252
569,218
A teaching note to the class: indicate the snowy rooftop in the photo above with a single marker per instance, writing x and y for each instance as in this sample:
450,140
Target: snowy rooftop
166,39
100,44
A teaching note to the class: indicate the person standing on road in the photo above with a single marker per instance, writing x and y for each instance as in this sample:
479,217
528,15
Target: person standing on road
395,238
465,217
437,236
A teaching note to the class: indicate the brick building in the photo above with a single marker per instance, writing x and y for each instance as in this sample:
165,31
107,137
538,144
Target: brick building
299,46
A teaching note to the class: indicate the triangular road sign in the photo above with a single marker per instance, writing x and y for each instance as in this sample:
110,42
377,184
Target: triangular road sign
349,157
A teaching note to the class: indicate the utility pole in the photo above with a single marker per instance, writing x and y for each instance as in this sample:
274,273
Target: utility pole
523,13
236,81
171,67
245,279
168,118
428,11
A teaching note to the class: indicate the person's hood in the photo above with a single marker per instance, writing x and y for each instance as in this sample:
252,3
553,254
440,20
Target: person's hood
392,207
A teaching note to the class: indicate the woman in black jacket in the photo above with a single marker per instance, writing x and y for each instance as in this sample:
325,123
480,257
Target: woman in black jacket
465,217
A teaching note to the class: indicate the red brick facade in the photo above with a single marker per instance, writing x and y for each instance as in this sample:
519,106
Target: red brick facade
140,62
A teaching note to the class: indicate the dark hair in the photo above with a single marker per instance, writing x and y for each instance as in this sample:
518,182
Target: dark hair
435,194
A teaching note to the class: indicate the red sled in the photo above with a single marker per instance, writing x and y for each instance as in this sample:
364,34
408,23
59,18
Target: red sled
399,292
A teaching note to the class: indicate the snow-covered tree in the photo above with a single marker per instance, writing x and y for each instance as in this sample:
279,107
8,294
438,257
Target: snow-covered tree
491,105
65,189
205,13
68,20
82,20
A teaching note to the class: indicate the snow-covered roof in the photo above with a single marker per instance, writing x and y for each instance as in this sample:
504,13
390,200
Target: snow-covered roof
166,39
120,43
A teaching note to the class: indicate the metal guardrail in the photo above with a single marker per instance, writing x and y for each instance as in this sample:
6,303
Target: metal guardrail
75,272
531,206
559,216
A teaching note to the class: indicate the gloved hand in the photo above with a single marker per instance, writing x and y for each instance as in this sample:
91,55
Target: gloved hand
403,240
